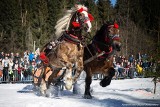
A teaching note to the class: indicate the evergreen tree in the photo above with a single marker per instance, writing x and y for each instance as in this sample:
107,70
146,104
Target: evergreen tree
39,16
71,3
104,9
10,25
25,21
54,12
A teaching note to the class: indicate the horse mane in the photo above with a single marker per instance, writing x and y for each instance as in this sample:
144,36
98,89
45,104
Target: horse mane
63,23
100,34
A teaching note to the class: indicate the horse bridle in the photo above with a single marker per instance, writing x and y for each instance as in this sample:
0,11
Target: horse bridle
94,44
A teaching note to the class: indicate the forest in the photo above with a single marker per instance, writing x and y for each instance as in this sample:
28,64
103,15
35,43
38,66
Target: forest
24,23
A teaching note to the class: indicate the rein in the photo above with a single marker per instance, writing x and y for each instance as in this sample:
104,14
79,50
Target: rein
101,52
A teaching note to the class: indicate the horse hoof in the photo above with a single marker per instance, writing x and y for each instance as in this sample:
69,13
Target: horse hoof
87,97
48,94
43,94
100,84
105,82
68,87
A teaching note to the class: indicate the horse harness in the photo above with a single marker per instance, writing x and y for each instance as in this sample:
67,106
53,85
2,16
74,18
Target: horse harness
39,77
100,54
51,49
66,36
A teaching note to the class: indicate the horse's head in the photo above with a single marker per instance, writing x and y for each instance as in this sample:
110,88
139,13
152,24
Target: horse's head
108,36
70,22
76,24
113,35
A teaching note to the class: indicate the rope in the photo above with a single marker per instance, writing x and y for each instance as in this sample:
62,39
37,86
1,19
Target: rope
89,50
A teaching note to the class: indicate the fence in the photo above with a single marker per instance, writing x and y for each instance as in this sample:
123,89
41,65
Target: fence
16,77
26,76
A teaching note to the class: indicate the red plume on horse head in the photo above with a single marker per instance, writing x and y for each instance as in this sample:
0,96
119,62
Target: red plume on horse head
116,25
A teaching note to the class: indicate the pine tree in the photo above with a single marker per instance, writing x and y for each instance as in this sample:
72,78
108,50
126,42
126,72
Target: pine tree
10,25
104,9
38,16
54,12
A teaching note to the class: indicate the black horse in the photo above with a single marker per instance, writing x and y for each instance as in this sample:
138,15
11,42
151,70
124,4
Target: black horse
98,56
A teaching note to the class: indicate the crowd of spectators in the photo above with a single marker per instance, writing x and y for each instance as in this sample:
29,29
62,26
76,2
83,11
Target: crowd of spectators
16,67
137,65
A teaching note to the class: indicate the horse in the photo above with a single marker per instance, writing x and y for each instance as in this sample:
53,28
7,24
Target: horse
67,50
98,56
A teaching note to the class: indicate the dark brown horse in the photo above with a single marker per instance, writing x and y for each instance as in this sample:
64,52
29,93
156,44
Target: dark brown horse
98,56
67,51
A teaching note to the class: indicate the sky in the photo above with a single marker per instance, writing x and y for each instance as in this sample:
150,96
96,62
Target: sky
113,2
136,92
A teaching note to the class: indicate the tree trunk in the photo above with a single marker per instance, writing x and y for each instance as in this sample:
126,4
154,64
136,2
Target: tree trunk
155,84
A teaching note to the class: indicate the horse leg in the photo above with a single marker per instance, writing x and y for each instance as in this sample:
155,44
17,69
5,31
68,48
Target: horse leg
43,87
68,79
79,69
52,78
76,88
37,76
53,83
88,81
41,82
107,79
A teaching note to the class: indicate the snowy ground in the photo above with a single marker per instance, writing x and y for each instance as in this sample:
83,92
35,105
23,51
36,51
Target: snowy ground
121,93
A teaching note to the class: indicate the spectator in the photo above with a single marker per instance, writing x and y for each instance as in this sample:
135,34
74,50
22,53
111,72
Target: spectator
1,72
33,63
26,56
1,60
114,59
132,71
131,59
12,56
15,70
126,67
145,57
138,56
119,59
31,56
145,65
25,67
2,55
119,68
10,70
5,63
16,58
139,69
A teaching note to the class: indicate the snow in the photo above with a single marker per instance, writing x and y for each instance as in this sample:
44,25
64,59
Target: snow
120,93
